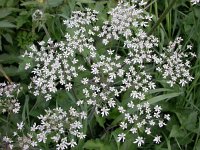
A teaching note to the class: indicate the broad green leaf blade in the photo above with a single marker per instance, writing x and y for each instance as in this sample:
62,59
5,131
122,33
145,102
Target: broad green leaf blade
6,24
177,132
5,12
197,146
98,145
0,43
8,38
162,97
85,1
54,3
100,120
159,90
8,59
29,3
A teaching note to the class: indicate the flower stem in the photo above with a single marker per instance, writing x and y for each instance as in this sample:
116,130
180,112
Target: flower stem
162,17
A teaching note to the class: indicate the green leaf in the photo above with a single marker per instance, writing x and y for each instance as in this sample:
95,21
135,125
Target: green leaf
112,4
29,3
197,146
85,1
6,24
22,18
64,99
98,145
177,132
118,119
72,4
162,97
54,3
8,38
115,135
5,12
2,2
99,6
8,59
159,90
128,144
100,120
11,71
25,109
188,120
0,43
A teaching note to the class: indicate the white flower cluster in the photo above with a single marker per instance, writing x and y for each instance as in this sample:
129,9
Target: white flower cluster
57,64
195,2
79,18
174,64
139,120
101,89
58,126
8,98
53,69
123,17
8,141
111,74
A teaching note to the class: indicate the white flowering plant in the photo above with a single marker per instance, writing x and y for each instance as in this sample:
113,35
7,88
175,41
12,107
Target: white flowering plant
110,82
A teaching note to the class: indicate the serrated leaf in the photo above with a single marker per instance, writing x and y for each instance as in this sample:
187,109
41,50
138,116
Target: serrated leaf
6,24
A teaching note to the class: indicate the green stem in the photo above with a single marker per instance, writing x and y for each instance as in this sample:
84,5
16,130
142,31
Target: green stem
162,17
46,31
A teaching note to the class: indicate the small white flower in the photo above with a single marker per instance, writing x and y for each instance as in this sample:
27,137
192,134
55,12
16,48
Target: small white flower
139,141
161,123
27,66
167,117
157,139
121,137
72,143
123,125
133,130
148,130
104,111
195,2
20,125
121,109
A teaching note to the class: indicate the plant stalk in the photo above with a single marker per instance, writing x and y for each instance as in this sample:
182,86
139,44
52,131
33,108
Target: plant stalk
162,17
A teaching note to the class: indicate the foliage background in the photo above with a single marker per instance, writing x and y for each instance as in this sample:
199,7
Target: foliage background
18,31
